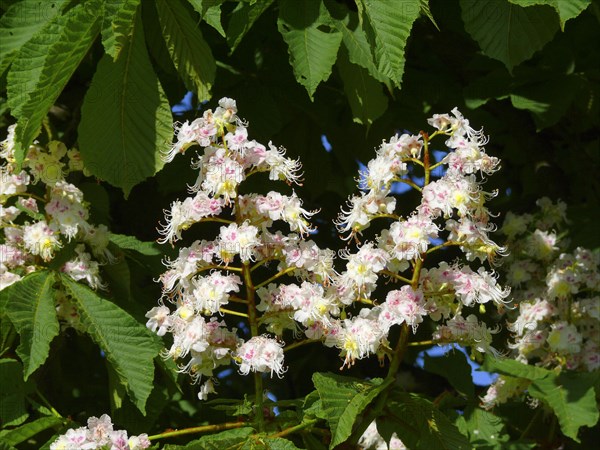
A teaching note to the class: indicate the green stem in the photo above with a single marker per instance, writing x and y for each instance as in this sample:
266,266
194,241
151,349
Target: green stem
253,319
47,404
216,219
409,182
233,313
299,344
419,343
295,428
277,275
396,276
201,429
445,244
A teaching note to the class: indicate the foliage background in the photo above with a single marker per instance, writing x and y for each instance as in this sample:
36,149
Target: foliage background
107,72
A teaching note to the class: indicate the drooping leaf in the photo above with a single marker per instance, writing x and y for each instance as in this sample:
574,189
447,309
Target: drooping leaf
129,347
547,101
483,427
566,9
359,50
210,11
426,11
12,394
508,32
364,93
493,85
20,22
419,424
32,310
125,117
52,60
454,367
572,397
24,432
131,243
342,400
514,368
190,53
117,27
312,41
241,20
387,26
218,441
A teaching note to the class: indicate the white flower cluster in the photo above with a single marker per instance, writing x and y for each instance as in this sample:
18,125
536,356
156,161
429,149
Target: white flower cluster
204,281
210,276
99,434
40,212
556,322
452,210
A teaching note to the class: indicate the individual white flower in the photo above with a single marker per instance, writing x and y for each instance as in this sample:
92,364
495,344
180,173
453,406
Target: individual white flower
260,354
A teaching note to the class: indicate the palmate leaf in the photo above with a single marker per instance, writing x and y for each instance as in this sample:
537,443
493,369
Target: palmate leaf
117,26
312,41
44,66
365,94
12,394
210,11
342,400
508,32
20,22
359,50
125,117
190,53
419,424
24,432
387,26
129,347
241,20
566,9
571,395
31,308
217,441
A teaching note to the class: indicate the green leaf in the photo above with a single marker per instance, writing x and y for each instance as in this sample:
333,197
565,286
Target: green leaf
507,32
117,27
426,11
387,26
241,20
219,441
566,9
118,276
419,424
32,310
493,85
547,101
514,368
572,397
312,41
190,53
279,444
483,427
343,399
131,243
365,94
55,60
454,367
210,11
12,394
21,22
24,432
125,117
359,50
129,347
